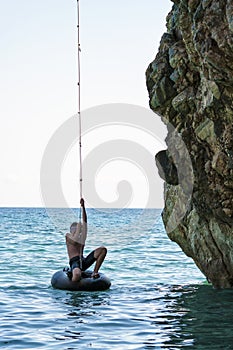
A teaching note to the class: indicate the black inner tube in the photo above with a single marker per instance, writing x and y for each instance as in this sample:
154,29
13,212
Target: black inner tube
61,280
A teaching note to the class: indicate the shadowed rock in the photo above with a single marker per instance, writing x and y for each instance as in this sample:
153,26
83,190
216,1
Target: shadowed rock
167,169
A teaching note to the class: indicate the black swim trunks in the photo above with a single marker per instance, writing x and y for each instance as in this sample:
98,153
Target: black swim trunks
82,263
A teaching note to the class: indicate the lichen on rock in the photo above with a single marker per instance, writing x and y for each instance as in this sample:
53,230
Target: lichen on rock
190,85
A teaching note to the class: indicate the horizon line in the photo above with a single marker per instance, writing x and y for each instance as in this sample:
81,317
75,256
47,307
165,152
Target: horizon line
104,208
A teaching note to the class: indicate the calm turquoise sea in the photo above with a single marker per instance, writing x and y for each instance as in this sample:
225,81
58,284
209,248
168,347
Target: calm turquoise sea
158,298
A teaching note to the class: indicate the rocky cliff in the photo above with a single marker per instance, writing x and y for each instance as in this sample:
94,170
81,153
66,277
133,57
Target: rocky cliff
190,86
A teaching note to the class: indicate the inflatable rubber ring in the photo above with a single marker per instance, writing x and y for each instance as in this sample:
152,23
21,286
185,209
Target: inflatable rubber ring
61,280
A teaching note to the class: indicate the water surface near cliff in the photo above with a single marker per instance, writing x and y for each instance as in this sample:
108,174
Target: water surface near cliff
158,298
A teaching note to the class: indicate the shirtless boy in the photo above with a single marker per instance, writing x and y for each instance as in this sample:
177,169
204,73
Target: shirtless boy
75,242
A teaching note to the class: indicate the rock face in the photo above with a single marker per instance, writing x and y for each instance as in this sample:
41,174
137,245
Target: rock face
190,86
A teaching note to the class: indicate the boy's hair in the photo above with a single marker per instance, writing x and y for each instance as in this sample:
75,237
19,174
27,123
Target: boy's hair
73,227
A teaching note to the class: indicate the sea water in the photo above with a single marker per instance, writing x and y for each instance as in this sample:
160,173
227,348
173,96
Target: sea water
158,298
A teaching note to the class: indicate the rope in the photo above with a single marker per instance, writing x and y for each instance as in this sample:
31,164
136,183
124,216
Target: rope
79,123
79,104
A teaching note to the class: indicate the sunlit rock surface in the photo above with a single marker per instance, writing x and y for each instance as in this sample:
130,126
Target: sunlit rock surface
190,86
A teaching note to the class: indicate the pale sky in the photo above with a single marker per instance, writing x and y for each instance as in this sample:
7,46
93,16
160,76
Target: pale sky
38,84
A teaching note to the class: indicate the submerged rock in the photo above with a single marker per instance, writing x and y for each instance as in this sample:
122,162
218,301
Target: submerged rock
190,85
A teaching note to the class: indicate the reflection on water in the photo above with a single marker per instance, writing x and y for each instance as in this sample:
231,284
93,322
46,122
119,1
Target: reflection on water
86,299
195,316
84,305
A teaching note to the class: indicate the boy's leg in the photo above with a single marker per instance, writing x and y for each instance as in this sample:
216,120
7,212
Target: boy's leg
99,255
76,274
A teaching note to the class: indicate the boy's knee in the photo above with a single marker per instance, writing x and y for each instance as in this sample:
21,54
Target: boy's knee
103,250
77,273
100,252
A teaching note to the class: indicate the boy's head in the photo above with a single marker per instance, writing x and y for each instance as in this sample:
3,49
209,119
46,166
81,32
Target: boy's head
73,227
